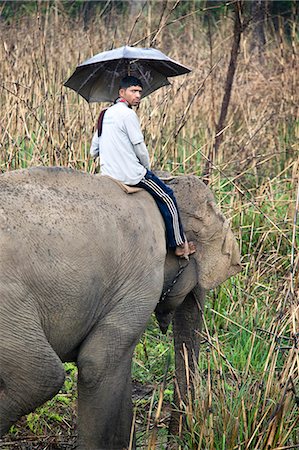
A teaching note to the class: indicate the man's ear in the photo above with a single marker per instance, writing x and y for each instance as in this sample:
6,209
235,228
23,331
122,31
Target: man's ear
121,92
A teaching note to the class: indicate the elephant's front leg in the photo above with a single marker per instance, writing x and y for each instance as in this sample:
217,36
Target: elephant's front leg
104,386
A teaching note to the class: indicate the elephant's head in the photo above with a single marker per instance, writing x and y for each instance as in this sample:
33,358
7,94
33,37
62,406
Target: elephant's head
217,257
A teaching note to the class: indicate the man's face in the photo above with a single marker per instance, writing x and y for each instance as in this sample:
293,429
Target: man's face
132,95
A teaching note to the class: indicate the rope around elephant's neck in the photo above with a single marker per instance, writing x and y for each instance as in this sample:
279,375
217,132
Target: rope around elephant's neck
167,291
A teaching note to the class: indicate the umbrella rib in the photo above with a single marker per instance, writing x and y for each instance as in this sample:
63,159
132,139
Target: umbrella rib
116,68
102,68
97,69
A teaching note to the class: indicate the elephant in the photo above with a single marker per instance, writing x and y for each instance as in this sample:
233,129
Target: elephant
83,264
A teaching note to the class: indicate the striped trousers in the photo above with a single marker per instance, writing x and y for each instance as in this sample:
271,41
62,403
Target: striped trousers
167,205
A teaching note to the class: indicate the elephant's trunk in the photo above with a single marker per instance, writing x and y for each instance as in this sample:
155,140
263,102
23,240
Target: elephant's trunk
187,321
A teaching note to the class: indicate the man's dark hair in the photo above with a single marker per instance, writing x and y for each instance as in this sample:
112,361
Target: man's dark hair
129,81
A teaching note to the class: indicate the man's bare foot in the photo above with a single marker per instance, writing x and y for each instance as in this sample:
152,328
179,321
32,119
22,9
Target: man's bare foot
186,249
192,247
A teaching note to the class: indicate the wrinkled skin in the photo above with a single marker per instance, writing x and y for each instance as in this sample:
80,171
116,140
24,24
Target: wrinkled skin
82,267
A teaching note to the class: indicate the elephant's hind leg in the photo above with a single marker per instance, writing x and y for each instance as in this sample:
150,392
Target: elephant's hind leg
30,371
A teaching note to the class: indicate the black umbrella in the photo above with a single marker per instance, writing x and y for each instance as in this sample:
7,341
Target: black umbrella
97,79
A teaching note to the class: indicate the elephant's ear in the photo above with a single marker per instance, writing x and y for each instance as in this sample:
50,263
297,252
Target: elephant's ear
217,255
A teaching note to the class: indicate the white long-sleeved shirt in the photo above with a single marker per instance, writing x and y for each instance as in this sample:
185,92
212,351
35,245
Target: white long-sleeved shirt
123,153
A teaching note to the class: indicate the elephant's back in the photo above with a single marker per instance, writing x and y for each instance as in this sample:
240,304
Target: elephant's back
59,204
46,184
57,194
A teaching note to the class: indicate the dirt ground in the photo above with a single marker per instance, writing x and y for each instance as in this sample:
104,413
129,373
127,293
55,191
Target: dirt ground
39,443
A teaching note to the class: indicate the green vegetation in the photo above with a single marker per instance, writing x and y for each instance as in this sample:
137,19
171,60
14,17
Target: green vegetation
247,381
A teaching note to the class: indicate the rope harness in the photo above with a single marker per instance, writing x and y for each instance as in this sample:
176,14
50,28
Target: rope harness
169,289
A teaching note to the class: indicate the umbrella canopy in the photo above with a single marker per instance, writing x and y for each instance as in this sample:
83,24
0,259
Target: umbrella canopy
97,79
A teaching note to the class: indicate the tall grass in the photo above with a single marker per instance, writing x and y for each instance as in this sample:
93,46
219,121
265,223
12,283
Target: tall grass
247,382
44,123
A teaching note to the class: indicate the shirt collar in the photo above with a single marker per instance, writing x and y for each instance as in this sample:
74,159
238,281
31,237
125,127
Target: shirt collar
122,100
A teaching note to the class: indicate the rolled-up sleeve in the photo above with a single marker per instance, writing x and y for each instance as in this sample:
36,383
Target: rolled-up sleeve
95,148
142,154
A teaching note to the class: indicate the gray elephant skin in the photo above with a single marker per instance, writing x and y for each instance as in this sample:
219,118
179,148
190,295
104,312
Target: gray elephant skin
82,267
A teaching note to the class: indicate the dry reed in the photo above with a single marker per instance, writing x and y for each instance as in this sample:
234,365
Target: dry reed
44,123
255,177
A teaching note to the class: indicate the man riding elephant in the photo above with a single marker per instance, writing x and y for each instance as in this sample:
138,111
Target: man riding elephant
123,155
